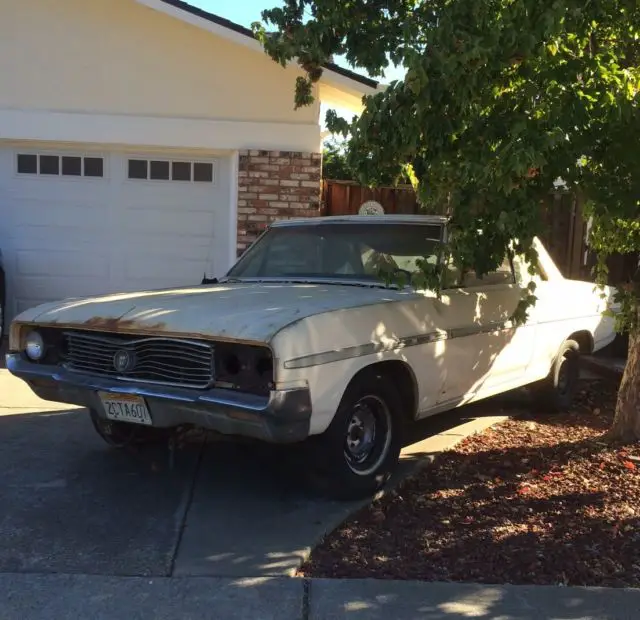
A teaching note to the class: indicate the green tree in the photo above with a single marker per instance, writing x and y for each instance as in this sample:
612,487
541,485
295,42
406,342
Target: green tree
500,98
335,165
334,161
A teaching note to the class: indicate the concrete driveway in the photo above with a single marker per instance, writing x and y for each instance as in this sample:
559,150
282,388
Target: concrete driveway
72,505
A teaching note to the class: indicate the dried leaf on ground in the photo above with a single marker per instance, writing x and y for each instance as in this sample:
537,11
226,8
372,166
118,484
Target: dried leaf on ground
537,499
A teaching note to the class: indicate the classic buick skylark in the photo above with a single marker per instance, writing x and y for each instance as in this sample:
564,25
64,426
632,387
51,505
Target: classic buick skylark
303,342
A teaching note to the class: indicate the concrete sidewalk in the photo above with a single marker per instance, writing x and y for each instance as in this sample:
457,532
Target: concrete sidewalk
60,597
404,600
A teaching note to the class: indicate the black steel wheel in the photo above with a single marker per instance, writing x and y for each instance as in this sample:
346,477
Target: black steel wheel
556,392
359,451
368,435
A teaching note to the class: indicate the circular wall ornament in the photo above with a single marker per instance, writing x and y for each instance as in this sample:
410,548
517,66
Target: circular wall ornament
371,207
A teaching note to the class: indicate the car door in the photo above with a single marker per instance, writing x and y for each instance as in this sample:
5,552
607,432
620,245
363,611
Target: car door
484,352
563,306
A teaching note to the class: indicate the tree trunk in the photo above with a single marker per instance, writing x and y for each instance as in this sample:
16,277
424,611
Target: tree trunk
626,424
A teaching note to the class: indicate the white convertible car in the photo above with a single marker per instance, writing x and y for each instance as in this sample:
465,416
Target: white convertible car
303,342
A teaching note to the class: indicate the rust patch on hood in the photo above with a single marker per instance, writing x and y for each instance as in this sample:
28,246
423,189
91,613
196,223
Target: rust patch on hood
130,326
118,324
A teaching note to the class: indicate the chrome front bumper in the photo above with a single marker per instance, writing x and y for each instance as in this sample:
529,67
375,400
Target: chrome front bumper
281,417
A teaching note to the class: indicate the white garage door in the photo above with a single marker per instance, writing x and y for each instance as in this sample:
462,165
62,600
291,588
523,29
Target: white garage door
76,223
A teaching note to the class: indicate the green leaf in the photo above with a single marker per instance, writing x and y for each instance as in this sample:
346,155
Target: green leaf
498,101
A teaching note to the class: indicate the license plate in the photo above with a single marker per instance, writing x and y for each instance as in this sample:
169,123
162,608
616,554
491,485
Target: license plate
125,408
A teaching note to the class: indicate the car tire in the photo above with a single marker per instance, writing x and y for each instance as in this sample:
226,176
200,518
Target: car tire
123,434
357,454
555,393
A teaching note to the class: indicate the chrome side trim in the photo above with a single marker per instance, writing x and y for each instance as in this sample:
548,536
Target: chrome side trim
474,330
338,355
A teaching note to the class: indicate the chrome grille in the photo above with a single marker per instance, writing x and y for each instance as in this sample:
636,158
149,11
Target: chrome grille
168,361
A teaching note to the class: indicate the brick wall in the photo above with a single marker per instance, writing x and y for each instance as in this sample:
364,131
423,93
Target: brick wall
274,185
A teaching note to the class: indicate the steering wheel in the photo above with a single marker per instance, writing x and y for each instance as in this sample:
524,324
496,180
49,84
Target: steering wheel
398,270
406,272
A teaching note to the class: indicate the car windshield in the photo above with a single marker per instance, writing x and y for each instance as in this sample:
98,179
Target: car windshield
350,251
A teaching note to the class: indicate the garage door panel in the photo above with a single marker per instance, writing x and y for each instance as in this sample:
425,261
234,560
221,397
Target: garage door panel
52,213
178,248
57,287
158,194
78,190
56,213
81,239
42,262
173,270
43,190
161,283
163,253
173,242
153,222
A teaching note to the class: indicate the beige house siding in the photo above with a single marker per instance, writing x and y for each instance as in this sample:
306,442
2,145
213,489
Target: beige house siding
120,76
119,57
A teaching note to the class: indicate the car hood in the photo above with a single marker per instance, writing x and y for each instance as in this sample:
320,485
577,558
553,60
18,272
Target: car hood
235,311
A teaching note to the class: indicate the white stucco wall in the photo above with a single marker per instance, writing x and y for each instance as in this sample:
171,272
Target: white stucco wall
117,57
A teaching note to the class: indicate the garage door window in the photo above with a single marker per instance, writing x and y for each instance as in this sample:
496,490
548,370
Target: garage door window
165,170
49,164
60,165
27,164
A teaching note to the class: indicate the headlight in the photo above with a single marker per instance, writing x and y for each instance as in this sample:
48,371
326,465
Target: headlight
34,346
248,368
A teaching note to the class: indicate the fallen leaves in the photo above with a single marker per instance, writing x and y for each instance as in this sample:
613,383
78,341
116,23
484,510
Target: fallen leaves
534,500
551,475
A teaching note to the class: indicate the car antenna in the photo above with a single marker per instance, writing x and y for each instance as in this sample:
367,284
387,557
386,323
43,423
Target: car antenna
206,280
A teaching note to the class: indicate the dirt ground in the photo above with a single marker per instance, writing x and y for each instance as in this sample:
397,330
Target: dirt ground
538,499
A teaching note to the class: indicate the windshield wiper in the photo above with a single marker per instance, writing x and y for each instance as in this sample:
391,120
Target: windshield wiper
308,280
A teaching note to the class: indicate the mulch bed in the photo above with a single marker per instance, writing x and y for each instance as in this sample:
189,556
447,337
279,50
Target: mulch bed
535,500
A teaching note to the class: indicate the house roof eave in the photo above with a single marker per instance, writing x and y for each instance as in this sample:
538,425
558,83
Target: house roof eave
339,77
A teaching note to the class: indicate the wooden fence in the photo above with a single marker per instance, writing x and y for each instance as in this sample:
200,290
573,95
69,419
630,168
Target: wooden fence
346,197
565,227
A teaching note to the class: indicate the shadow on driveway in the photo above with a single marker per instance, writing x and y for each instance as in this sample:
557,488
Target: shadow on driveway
70,504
